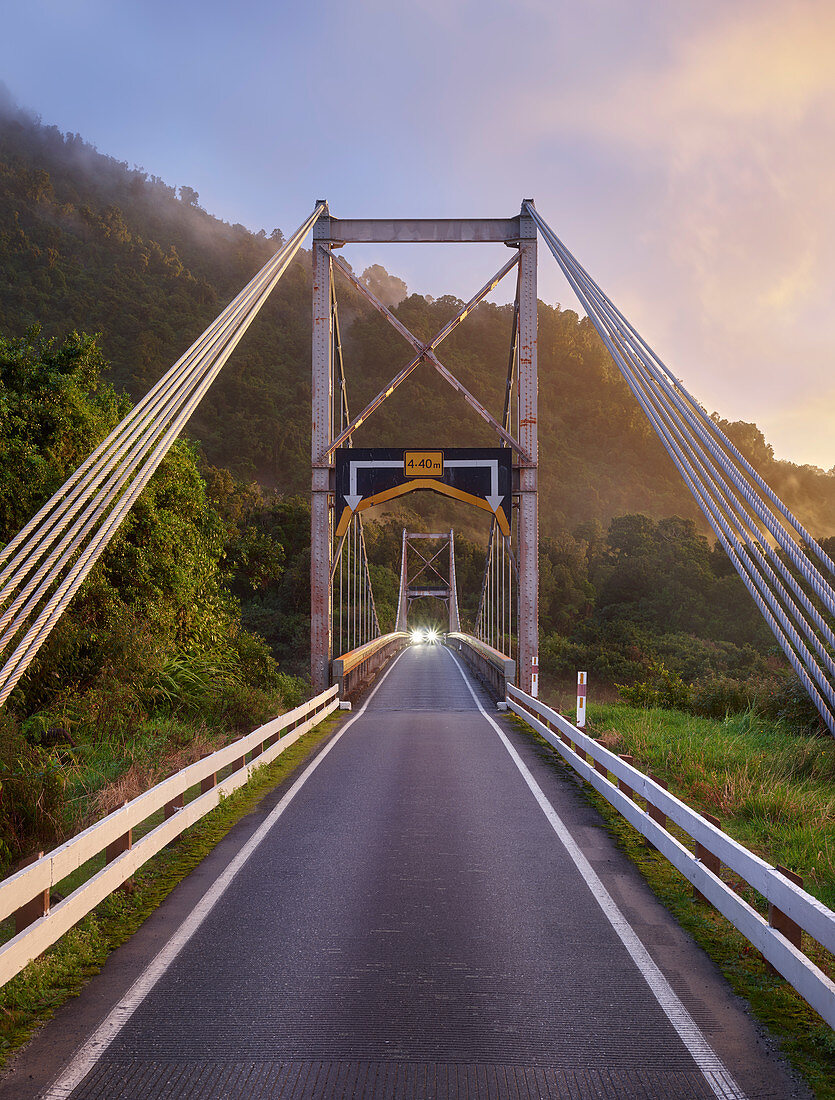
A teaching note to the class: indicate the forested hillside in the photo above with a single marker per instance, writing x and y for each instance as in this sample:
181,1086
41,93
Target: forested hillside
94,245
176,634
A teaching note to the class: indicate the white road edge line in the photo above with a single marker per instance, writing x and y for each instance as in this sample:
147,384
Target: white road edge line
88,1055
711,1065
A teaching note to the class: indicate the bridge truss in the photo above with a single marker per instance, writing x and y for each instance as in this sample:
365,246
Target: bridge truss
330,432
787,573
435,584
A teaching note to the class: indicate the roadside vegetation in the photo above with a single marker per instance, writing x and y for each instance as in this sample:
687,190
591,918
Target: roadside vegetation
194,626
152,662
772,786
31,998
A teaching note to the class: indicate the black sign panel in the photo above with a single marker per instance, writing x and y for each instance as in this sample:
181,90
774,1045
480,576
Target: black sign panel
366,476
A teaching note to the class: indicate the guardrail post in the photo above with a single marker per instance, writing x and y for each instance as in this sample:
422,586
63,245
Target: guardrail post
113,850
36,908
236,765
176,803
705,856
210,780
778,919
657,815
622,784
601,769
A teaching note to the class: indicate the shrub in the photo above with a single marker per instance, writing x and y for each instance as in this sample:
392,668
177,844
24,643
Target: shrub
718,696
790,702
663,688
294,690
32,809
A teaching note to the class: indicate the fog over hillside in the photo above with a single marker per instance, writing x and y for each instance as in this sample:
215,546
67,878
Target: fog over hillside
96,245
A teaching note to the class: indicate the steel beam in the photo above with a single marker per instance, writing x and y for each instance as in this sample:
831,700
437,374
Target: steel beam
425,352
322,430
403,598
421,230
528,522
517,232
454,620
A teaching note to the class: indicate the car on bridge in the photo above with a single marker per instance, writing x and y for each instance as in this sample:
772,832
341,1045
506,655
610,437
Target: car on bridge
425,635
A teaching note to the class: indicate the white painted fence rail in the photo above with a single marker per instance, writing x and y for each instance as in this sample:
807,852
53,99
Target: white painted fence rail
799,906
265,743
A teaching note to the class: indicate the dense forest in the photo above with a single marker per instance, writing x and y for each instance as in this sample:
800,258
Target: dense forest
199,609
92,245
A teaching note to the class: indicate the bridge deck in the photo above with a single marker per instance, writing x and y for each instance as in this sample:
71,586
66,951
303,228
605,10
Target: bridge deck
412,925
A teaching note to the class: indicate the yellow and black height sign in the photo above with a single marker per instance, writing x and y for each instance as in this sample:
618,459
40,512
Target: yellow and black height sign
368,476
423,464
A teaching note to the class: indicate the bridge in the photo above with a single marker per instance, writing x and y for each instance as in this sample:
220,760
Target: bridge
429,907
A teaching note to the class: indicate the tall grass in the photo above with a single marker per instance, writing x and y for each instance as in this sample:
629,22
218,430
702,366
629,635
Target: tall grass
772,788
104,752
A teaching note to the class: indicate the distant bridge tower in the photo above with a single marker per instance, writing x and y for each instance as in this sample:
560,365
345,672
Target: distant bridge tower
428,580
329,407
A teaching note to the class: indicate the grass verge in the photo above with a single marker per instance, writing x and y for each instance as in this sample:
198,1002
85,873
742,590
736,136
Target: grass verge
773,790
30,998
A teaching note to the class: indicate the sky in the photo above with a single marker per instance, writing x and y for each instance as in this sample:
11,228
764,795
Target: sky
684,151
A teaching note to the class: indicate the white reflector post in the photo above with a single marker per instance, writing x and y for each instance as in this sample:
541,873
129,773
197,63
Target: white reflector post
581,699
535,676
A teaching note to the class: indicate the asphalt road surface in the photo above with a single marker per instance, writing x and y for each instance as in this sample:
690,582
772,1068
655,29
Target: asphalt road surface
430,909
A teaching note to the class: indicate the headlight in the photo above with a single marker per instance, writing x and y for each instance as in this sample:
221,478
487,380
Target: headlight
417,637
431,635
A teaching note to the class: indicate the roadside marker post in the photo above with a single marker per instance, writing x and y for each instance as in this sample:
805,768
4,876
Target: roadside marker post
581,700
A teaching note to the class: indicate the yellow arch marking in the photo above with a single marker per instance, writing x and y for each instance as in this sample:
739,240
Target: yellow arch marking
422,483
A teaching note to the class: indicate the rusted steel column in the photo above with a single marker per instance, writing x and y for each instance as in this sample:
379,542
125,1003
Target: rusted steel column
321,435
121,844
600,767
528,523
176,803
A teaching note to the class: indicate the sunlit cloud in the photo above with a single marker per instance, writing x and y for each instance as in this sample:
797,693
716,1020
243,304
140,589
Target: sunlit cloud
683,151
736,131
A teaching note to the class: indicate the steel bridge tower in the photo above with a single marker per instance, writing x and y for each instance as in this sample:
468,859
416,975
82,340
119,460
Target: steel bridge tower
518,233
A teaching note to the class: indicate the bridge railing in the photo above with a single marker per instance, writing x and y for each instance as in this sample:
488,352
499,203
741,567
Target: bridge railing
495,670
351,668
791,909
25,894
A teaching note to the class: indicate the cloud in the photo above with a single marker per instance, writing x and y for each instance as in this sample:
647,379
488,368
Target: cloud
769,64
803,431
719,144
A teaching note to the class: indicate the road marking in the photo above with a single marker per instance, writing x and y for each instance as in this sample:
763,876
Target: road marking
713,1068
89,1054
353,498
494,497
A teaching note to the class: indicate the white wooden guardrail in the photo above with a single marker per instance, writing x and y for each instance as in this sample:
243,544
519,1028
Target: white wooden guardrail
25,894
791,909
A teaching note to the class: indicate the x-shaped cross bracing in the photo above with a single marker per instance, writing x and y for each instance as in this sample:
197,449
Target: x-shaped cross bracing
427,562
426,352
